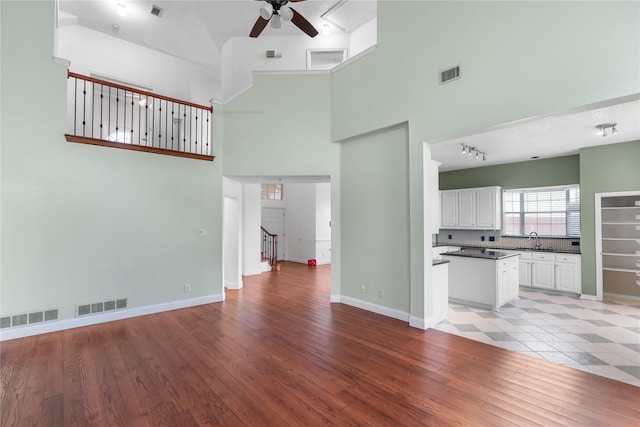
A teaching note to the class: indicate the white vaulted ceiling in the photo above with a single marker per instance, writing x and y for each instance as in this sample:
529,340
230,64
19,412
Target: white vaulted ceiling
196,31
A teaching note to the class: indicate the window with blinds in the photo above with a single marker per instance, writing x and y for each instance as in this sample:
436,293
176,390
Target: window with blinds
549,211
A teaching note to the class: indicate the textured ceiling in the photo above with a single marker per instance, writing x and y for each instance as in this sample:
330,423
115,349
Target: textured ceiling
544,137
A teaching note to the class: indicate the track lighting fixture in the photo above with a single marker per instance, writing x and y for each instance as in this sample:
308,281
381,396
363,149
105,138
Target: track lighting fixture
601,130
466,149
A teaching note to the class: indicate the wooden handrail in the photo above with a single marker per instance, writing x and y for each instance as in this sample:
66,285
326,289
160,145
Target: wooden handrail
266,232
139,91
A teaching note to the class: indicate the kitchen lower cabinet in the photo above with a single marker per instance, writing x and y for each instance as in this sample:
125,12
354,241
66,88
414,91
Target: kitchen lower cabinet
542,273
568,273
561,272
507,278
524,278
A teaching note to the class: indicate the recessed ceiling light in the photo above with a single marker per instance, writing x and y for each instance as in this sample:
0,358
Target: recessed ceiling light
115,27
121,9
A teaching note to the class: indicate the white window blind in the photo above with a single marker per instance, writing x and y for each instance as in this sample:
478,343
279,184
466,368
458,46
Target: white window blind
550,211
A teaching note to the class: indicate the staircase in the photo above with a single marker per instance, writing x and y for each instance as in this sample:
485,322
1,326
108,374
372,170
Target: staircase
269,249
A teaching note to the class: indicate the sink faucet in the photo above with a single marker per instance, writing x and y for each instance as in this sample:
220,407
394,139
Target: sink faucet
538,244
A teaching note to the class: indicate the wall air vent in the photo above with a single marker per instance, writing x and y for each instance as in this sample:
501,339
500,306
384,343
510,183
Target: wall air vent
157,11
101,307
449,75
24,319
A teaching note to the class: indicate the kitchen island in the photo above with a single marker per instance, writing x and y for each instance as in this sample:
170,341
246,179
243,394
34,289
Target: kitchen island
482,278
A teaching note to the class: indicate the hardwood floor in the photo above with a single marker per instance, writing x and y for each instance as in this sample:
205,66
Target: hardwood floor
277,353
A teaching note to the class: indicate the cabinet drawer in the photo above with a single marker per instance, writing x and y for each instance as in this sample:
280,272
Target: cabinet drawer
572,259
542,257
507,262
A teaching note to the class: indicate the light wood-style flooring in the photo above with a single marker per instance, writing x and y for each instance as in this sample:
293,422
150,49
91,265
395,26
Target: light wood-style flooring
277,353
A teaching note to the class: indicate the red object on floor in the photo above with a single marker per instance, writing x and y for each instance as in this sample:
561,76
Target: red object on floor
312,262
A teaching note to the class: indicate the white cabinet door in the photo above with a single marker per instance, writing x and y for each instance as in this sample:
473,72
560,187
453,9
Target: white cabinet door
467,209
449,209
566,277
542,274
525,272
486,209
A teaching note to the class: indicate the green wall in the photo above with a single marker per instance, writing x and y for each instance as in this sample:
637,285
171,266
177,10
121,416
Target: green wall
607,168
375,218
535,173
83,224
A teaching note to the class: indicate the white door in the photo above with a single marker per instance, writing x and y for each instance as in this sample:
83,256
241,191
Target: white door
273,222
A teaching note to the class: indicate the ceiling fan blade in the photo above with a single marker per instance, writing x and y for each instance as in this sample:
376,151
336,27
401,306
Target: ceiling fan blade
258,27
302,23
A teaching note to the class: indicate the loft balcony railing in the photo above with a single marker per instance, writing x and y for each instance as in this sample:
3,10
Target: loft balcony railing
112,115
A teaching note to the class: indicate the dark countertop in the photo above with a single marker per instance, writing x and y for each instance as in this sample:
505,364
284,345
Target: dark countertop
481,253
439,261
558,251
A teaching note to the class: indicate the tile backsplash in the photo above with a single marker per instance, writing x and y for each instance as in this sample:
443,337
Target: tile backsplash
475,238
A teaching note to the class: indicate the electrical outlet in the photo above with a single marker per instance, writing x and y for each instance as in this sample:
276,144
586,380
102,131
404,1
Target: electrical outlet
187,288
363,289
381,293
202,232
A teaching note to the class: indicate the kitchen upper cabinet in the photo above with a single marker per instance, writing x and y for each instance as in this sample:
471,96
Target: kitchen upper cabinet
467,209
449,205
471,208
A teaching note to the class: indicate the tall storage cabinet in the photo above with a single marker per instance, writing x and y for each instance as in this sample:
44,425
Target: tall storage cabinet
620,244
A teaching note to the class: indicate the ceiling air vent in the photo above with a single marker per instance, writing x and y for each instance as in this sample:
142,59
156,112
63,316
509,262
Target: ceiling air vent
451,74
157,11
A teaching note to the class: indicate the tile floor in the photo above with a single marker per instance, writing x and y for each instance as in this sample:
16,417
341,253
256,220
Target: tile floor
602,337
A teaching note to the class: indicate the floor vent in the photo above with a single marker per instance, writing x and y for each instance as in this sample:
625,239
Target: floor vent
101,307
25,319
451,74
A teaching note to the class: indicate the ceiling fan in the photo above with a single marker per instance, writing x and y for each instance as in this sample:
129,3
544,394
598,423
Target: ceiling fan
274,11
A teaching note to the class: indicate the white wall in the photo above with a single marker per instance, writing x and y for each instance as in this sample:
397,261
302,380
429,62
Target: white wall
232,236
363,38
323,223
91,51
251,229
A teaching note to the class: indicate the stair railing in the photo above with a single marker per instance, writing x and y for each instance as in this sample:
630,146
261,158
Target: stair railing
112,115
269,247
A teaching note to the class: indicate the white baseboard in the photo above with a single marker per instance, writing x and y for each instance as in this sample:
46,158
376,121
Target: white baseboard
417,322
323,261
77,322
622,296
375,308
334,298
233,285
589,297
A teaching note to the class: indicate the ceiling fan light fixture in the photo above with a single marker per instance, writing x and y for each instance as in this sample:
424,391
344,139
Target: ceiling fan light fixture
266,11
286,13
275,21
